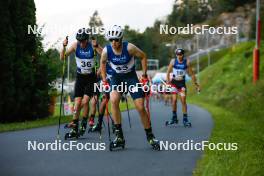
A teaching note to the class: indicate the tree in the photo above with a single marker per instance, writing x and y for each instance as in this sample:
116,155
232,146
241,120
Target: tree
25,74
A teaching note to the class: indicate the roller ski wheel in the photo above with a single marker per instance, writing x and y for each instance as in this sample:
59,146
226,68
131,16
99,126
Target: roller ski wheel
171,122
117,143
71,134
186,123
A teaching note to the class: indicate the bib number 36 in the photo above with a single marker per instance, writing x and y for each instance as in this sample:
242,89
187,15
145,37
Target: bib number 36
86,64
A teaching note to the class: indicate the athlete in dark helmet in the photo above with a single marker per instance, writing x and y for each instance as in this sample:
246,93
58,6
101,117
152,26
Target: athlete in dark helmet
85,78
180,66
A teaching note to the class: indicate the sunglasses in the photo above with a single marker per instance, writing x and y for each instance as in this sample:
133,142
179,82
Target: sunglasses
116,40
179,54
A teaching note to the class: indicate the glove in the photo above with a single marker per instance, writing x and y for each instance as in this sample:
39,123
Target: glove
145,81
106,85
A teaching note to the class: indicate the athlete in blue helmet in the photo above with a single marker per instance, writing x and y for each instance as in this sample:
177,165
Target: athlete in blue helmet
85,78
180,66
121,57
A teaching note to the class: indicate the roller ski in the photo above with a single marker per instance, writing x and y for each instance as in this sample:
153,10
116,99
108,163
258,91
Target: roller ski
153,142
83,126
74,130
118,142
172,121
186,123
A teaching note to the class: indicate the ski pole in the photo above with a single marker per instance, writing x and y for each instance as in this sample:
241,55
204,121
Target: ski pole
128,114
107,117
61,97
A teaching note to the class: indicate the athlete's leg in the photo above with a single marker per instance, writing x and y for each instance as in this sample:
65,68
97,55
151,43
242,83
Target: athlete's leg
174,109
102,107
77,107
103,104
85,104
183,101
93,105
139,104
174,102
115,100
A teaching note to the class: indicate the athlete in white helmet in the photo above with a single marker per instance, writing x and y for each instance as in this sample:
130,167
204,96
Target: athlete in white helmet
121,57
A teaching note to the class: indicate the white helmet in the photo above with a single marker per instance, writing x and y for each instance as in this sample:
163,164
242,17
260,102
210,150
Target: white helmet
115,32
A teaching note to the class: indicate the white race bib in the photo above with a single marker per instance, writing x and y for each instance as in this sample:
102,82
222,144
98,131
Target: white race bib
85,65
178,74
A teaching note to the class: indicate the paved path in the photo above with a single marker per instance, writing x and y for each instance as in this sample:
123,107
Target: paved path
137,158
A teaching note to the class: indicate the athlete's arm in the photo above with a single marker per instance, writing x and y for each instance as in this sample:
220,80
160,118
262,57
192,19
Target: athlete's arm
103,61
135,51
64,53
191,73
168,72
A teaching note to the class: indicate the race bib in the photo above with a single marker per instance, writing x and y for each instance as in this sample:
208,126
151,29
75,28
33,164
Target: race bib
85,65
179,74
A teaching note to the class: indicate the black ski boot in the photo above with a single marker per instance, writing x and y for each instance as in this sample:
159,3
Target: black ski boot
83,126
173,120
151,139
96,128
119,141
74,130
186,122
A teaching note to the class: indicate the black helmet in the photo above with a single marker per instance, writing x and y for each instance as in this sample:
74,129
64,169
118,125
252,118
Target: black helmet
179,51
82,34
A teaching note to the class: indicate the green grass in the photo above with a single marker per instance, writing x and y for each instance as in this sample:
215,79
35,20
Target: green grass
53,120
237,109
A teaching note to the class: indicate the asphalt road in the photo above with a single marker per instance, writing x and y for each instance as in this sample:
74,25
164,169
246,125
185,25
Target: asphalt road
138,158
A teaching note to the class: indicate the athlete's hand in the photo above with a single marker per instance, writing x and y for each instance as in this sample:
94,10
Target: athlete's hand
144,79
65,42
94,42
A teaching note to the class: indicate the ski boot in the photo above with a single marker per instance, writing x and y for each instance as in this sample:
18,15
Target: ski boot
119,141
153,142
174,120
83,126
74,130
95,128
186,123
